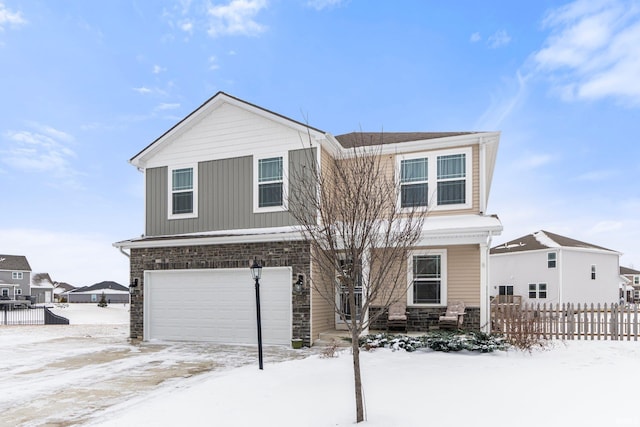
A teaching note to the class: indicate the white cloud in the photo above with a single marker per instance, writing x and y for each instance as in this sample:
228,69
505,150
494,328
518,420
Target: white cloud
498,39
475,37
43,149
142,90
8,17
235,18
166,106
593,50
83,259
213,64
534,161
323,4
186,26
158,69
597,175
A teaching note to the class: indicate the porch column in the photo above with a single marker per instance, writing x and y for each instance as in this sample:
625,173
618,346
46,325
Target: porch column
485,309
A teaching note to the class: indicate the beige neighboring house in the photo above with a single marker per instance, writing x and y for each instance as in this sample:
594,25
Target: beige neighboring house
217,195
632,284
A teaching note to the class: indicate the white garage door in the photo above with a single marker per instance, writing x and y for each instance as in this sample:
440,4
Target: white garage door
217,306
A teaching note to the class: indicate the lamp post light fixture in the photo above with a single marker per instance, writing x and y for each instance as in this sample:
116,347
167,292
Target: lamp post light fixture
256,273
133,285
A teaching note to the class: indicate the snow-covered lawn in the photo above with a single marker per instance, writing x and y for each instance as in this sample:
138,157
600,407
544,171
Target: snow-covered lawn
89,374
573,384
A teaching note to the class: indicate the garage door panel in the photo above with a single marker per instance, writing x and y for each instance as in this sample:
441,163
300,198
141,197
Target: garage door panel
217,306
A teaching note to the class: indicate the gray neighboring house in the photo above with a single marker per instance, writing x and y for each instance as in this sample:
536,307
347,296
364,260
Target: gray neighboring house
632,287
15,277
113,292
41,288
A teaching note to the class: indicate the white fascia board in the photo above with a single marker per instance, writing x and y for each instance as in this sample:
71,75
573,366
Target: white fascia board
439,143
212,239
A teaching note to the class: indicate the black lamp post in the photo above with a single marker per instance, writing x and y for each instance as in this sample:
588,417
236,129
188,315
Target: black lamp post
256,272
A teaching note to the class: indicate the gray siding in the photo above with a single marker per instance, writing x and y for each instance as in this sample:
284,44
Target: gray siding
5,277
225,198
111,298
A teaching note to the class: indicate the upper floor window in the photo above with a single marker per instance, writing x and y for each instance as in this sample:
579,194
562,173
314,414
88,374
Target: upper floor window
183,194
414,187
451,179
636,280
270,182
270,190
428,278
17,275
551,260
440,180
593,272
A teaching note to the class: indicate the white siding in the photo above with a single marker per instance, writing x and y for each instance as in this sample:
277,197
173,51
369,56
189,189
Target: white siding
226,132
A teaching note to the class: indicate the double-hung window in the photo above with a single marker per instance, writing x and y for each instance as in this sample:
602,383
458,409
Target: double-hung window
538,290
427,278
593,272
17,275
452,173
551,260
440,180
636,280
414,187
270,183
182,192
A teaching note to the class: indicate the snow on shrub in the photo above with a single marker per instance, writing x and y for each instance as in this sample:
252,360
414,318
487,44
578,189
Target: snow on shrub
437,341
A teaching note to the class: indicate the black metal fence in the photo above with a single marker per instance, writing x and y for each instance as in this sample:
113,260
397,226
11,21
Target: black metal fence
35,315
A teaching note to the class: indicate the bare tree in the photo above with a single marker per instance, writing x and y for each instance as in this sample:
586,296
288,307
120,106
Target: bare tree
359,238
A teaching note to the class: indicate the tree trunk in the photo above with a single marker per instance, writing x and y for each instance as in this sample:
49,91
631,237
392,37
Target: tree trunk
355,351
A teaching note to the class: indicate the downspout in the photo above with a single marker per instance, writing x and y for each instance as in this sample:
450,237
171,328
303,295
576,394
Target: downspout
559,267
485,310
123,252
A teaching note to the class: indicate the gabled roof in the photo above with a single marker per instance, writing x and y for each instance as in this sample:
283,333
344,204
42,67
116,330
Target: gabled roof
102,286
14,263
210,104
542,240
628,271
361,139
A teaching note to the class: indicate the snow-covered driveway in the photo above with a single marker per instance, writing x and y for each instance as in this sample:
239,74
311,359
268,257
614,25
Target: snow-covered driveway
62,375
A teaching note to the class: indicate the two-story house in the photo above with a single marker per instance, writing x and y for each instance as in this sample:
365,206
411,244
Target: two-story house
632,285
217,195
15,277
545,267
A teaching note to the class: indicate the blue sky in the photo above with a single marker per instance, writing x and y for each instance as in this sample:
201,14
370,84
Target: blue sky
87,85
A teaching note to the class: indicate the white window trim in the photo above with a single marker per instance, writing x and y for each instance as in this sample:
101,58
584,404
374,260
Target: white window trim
443,278
432,178
17,275
285,183
170,213
3,291
18,291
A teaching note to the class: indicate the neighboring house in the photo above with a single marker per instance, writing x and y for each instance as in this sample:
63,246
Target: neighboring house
633,281
60,291
544,267
217,195
41,288
15,277
113,292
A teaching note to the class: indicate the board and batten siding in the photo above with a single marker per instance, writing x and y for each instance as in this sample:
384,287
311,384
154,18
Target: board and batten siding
225,198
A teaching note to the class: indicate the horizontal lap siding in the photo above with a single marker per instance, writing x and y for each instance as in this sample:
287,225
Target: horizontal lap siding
323,318
463,271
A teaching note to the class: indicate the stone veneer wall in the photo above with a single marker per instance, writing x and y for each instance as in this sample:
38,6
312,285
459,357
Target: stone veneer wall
236,255
422,319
